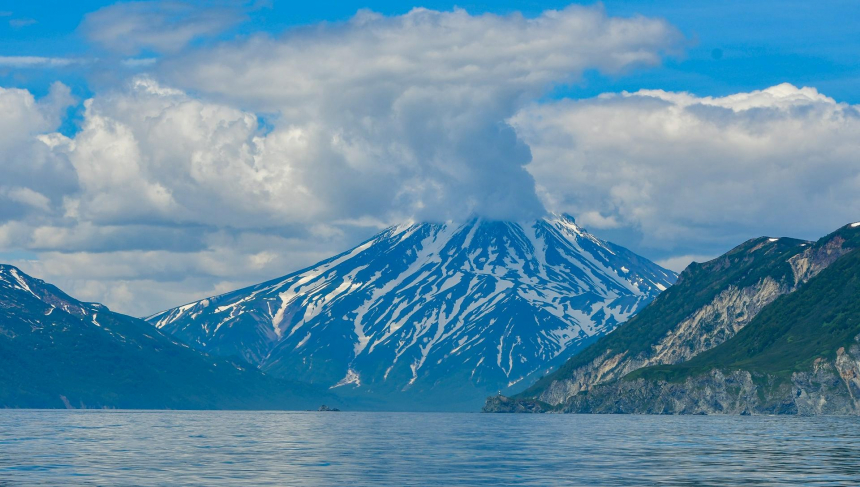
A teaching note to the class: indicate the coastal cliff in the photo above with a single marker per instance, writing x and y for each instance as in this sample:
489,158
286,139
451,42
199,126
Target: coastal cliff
800,355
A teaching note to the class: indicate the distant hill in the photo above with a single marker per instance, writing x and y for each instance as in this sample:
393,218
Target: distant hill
430,316
58,352
770,327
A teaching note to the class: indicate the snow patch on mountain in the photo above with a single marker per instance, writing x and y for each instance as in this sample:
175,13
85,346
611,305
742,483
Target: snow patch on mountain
425,307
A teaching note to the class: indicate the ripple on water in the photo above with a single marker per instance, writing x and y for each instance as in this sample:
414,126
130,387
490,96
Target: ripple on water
379,449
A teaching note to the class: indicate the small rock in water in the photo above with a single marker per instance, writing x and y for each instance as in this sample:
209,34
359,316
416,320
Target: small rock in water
326,408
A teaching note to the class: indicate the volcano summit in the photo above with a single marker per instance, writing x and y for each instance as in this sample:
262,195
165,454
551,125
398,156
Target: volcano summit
430,316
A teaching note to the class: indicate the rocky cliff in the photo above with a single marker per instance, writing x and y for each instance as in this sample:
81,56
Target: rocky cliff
830,387
827,386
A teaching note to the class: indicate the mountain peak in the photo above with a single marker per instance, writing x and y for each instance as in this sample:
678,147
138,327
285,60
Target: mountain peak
448,309
61,352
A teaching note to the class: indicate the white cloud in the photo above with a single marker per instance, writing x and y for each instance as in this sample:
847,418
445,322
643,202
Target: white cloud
139,62
37,61
162,26
19,23
595,220
153,154
24,116
688,170
368,122
680,262
141,282
174,189
29,197
380,118
414,106
34,178
387,58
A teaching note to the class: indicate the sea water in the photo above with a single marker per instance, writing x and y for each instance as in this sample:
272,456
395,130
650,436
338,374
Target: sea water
397,449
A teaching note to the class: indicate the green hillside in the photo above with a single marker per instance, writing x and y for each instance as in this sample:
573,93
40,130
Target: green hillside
744,265
788,335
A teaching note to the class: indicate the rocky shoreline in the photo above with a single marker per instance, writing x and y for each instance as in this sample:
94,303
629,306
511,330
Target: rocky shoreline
830,388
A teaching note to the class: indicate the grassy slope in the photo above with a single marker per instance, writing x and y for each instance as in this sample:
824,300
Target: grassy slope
789,334
697,286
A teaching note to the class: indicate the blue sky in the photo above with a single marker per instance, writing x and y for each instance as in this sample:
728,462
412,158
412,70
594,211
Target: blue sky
734,45
157,152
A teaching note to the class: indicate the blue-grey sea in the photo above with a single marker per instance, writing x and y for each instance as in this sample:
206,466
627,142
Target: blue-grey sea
398,449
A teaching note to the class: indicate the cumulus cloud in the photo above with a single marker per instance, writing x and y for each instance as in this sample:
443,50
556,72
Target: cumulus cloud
384,58
18,23
700,171
141,282
235,163
29,197
680,262
415,106
35,179
174,178
152,154
161,26
39,62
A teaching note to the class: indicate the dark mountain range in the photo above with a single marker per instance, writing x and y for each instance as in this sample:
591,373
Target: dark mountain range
56,351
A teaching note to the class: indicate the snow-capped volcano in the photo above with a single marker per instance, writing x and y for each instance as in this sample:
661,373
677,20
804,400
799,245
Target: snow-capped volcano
440,313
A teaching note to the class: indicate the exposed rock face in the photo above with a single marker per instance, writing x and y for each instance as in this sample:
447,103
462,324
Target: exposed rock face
712,324
831,388
503,404
779,356
716,322
817,258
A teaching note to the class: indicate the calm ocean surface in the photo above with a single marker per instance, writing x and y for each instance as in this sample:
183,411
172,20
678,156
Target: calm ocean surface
382,449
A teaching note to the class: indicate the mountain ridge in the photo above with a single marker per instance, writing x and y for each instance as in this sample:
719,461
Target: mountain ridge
56,352
433,310
605,380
